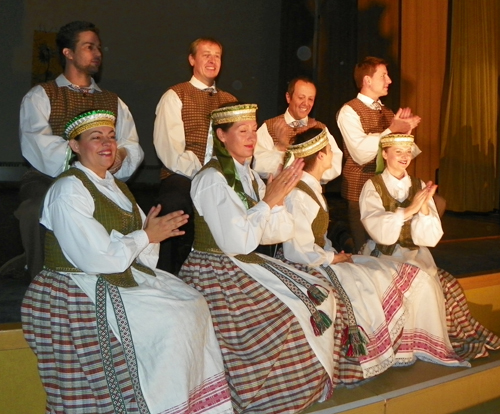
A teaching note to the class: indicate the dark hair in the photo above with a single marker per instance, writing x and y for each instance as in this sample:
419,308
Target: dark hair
367,67
304,137
67,37
193,47
291,84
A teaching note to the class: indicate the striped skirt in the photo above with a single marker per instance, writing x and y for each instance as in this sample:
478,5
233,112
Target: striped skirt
59,324
468,337
269,364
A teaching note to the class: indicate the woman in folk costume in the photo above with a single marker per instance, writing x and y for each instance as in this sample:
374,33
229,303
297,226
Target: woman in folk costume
382,299
276,326
400,216
111,334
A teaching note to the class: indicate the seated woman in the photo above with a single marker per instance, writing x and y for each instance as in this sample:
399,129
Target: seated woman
400,216
280,352
111,334
381,297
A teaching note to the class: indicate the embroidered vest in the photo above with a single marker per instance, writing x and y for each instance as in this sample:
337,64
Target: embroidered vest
196,108
391,204
112,217
320,223
204,240
65,104
292,132
354,175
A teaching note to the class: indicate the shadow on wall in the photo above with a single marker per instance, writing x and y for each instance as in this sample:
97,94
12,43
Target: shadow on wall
468,179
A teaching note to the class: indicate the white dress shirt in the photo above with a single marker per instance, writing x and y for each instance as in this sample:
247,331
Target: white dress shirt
235,229
302,248
168,135
47,152
267,158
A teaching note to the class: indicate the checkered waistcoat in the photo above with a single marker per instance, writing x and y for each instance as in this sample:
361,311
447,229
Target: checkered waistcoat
391,204
112,217
292,132
65,104
196,108
354,175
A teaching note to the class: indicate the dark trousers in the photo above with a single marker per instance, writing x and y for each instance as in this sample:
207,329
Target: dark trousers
34,186
174,195
358,232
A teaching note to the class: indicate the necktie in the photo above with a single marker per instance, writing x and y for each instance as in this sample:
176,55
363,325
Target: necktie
211,90
84,90
297,124
376,105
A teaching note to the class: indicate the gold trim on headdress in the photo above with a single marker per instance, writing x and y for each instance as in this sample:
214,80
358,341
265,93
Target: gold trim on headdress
396,139
88,120
310,147
235,113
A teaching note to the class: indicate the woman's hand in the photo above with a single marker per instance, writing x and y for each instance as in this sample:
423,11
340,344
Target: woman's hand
161,228
278,188
342,258
421,200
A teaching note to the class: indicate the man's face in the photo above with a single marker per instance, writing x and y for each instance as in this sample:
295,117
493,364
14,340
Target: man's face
206,62
378,84
86,57
301,101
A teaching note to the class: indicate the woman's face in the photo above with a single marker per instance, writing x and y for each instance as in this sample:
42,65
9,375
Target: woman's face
96,149
397,159
240,139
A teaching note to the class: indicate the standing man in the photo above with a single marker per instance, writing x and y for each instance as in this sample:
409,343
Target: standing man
183,141
46,109
363,121
276,134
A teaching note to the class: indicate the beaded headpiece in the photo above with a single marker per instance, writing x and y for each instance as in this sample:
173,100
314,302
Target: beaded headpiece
390,140
307,148
88,120
396,139
235,113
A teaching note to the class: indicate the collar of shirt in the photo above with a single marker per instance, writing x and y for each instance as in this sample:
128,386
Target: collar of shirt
246,176
366,100
199,84
289,118
399,189
61,81
315,186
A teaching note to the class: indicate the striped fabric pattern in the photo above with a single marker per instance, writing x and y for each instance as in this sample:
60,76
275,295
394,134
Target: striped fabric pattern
59,325
469,338
269,364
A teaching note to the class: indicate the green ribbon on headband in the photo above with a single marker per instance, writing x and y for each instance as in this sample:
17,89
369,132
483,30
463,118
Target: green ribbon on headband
379,163
228,167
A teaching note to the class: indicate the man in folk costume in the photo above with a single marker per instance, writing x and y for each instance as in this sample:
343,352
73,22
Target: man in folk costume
44,112
276,134
181,135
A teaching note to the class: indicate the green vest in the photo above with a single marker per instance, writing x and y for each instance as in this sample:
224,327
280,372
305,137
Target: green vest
112,217
203,239
391,204
320,223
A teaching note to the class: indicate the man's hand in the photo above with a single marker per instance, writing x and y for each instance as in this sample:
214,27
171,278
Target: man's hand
404,121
